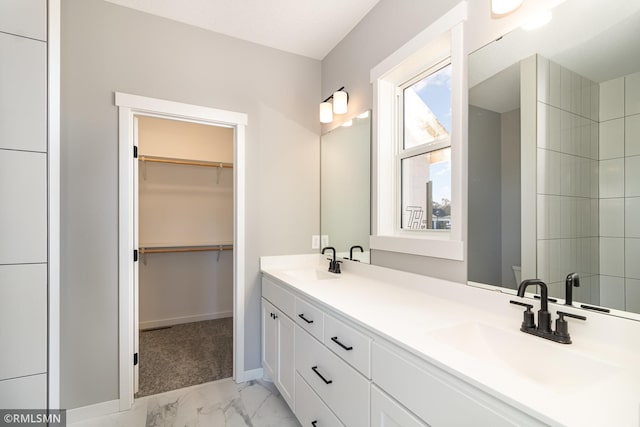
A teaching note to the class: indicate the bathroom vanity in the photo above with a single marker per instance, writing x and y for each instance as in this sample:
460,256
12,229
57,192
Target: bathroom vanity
379,347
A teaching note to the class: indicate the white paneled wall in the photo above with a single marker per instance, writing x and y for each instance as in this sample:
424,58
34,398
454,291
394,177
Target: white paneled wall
567,187
23,204
620,193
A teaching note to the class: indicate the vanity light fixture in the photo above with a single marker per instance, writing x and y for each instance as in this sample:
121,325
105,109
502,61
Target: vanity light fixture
339,99
326,112
500,8
538,21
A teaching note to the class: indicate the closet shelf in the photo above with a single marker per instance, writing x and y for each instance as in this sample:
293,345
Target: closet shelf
187,248
188,162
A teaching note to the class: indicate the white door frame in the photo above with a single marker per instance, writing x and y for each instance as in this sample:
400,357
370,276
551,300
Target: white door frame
128,107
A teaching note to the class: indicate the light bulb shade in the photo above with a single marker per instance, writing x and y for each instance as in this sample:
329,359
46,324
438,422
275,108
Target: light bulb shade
503,7
340,102
326,113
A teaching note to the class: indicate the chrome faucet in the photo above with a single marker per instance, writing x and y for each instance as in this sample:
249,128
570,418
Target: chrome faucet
334,266
543,330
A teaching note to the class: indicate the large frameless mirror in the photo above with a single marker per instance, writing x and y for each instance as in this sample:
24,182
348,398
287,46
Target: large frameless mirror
345,189
554,155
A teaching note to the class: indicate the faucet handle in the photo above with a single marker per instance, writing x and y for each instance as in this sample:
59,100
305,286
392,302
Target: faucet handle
562,329
528,321
336,267
524,304
561,315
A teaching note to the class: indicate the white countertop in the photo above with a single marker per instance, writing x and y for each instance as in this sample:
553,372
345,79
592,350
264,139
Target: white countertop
441,322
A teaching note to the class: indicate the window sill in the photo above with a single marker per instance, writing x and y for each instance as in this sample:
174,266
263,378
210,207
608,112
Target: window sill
436,246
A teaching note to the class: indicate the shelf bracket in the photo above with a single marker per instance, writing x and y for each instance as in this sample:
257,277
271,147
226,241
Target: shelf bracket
218,172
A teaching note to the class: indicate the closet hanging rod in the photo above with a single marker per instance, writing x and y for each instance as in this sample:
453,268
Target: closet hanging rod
187,162
186,249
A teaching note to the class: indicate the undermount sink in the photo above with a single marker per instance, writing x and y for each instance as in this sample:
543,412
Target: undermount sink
543,362
310,274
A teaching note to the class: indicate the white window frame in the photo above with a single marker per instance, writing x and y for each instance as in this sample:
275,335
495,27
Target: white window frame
432,47
406,153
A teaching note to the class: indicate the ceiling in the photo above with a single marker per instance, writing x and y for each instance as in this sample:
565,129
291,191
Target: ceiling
305,27
601,45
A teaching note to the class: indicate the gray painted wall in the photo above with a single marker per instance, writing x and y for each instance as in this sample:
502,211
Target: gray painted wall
510,161
485,198
107,48
388,26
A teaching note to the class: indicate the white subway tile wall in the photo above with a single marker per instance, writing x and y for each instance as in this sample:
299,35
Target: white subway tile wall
619,139
567,182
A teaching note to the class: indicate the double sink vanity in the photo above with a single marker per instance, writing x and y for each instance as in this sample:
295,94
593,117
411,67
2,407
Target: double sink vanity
379,347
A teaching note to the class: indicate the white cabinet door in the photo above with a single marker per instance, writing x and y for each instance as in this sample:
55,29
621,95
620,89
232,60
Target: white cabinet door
278,333
269,340
26,18
386,412
23,207
24,393
23,320
23,93
286,367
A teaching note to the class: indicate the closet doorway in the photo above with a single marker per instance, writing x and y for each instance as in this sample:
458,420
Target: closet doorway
181,196
185,245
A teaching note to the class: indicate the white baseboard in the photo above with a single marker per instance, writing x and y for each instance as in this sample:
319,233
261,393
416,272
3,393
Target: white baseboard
150,324
86,412
254,374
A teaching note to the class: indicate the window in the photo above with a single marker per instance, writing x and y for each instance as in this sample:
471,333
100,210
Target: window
419,185
425,153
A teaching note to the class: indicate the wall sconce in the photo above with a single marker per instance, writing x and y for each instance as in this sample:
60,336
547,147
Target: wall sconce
500,8
340,100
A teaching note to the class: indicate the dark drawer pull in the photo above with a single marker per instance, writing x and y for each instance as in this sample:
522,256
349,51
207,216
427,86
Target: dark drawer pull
335,340
313,423
315,369
304,318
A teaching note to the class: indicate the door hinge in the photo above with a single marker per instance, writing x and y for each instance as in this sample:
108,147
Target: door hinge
135,151
135,359
135,255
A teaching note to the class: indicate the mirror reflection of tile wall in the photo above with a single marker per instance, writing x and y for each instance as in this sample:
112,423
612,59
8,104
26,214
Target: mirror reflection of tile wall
589,185
567,179
620,193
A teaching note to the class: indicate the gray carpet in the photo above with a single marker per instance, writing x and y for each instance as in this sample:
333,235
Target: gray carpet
185,355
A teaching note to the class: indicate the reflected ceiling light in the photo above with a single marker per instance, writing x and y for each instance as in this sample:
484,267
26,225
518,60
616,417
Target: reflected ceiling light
504,7
363,115
347,123
538,21
338,105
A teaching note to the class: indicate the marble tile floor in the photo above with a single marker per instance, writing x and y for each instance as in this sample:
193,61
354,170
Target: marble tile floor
220,403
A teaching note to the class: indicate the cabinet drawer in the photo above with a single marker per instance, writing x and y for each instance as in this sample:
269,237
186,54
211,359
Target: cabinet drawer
386,412
433,398
310,318
278,296
341,387
349,344
310,409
